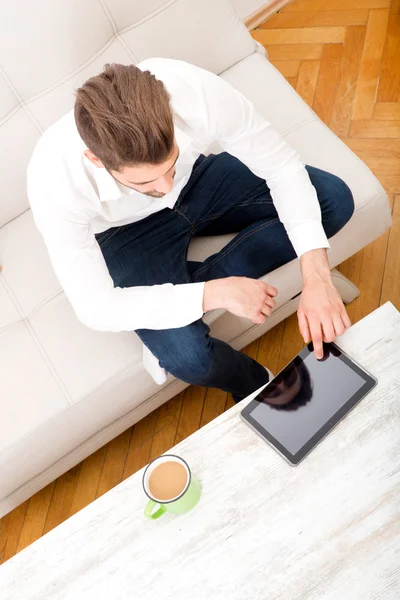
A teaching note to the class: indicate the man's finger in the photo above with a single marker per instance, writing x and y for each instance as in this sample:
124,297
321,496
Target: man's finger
266,310
329,332
345,318
272,291
338,325
303,326
316,335
270,302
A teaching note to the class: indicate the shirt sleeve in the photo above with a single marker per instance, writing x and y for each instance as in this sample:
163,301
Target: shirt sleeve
208,103
80,267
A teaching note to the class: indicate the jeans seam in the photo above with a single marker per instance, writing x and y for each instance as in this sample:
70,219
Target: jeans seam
184,257
104,242
180,213
221,254
212,217
209,218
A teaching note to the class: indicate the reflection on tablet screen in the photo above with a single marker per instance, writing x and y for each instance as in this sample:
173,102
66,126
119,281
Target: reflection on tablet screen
304,396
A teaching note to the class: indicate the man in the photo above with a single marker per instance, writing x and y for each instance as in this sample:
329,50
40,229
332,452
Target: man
119,187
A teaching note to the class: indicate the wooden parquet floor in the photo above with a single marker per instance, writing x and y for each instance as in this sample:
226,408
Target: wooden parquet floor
343,58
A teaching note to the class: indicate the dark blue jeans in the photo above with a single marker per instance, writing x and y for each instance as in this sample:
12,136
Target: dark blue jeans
221,196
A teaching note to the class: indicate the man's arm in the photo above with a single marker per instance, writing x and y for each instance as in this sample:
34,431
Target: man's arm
83,274
322,315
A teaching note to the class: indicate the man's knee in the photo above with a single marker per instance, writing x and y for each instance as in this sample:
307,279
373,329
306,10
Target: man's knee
345,202
340,208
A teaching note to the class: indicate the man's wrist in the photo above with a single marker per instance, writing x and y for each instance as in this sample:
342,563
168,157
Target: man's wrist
315,267
212,297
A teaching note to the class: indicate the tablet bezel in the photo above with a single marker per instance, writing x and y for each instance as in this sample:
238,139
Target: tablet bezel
294,459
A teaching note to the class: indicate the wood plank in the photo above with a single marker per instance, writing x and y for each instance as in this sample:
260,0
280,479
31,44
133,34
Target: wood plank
349,70
140,446
373,261
292,81
270,347
214,405
307,80
295,52
389,82
370,64
35,517
168,419
252,349
307,35
381,155
391,279
388,111
375,129
288,68
88,480
316,18
192,409
301,5
11,527
391,183
328,80
61,502
366,270
369,145
112,472
264,12
292,341
351,268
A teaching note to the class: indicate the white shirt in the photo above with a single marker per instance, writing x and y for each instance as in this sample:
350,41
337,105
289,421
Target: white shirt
72,200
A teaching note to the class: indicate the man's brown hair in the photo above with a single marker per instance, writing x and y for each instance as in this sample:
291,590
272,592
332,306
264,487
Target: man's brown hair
124,117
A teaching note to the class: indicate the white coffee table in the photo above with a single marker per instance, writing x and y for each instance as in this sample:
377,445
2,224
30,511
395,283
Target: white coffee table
327,529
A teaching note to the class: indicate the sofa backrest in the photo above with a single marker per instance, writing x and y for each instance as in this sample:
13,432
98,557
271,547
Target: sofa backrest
48,49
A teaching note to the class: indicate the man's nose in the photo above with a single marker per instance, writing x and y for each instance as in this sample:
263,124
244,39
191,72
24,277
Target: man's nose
164,184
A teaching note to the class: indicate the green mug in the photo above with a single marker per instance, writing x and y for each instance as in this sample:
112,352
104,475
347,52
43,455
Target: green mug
187,498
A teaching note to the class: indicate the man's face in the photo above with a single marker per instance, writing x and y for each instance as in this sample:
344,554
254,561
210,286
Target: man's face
151,180
282,391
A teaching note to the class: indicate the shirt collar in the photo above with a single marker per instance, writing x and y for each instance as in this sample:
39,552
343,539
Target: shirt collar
107,186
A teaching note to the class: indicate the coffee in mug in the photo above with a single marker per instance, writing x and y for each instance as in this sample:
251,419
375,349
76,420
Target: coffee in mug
168,480
170,485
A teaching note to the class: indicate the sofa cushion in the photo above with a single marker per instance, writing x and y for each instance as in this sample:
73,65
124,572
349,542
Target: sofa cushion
216,23
83,359
34,393
26,265
9,312
18,137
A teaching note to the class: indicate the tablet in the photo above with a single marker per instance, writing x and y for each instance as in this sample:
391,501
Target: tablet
302,404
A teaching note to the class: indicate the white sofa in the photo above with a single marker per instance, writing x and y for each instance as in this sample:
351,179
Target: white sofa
66,390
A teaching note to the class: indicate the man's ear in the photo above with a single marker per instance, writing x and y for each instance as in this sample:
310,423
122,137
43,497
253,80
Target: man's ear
93,158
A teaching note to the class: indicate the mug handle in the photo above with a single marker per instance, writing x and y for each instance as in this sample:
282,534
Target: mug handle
149,508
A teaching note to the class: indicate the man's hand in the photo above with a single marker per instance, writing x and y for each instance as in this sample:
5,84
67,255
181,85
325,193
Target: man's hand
321,313
242,296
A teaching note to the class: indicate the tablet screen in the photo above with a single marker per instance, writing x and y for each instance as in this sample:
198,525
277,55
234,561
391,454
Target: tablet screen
304,396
